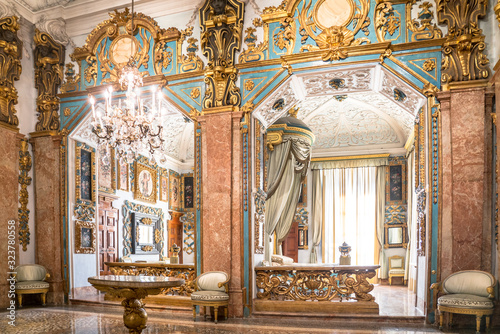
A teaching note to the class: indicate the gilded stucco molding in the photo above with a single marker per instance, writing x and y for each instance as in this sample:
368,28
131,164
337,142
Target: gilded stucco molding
221,25
254,51
24,181
191,61
10,69
463,57
423,28
49,67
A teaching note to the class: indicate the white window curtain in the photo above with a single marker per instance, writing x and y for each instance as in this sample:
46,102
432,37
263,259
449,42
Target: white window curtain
350,214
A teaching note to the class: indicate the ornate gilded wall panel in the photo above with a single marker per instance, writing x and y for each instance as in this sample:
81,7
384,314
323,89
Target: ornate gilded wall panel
221,24
463,57
10,68
422,28
335,31
49,67
24,181
254,51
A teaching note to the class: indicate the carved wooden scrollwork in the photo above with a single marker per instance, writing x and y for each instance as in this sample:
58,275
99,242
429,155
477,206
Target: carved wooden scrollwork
24,181
222,24
314,285
10,68
463,57
49,68
187,274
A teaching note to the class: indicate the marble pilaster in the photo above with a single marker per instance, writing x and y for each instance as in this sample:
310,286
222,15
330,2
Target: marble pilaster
221,197
9,196
48,224
465,160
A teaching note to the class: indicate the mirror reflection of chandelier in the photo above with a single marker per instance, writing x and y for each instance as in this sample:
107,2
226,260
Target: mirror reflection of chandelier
133,126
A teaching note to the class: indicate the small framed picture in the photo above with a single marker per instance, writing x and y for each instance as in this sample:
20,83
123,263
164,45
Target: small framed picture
163,185
303,235
187,191
145,183
85,174
107,170
85,237
174,190
123,176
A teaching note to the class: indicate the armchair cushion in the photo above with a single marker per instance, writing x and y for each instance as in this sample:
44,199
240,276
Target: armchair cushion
27,285
397,271
465,300
30,272
472,282
210,281
209,295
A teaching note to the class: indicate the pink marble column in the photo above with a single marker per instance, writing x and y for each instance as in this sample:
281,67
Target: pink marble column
9,196
465,163
48,225
221,233
495,80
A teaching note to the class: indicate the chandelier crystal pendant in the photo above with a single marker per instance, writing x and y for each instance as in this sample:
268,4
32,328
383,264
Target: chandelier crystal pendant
134,126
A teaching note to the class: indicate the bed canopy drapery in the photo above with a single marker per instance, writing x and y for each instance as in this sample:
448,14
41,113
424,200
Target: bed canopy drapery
289,141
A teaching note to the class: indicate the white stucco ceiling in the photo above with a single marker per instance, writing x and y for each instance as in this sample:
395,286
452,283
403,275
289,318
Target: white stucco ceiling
360,115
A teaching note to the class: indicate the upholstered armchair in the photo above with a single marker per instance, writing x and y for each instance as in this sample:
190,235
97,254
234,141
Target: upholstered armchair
211,289
30,279
396,268
465,292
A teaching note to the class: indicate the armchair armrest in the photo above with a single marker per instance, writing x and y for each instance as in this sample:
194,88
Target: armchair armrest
491,292
225,284
436,288
47,276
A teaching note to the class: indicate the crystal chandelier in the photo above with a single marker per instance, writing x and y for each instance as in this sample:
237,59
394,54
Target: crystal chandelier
133,126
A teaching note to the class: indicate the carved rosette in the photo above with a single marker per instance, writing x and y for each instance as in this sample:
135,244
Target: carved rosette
10,68
24,181
49,68
463,57
221,24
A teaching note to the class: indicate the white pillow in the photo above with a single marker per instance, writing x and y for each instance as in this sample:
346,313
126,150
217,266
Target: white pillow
283,260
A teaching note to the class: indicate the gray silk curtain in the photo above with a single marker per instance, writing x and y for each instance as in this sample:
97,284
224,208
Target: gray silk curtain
288,164
317,213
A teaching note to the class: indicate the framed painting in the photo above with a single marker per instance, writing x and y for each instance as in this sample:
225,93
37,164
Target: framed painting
85,174
303,236
174,190
145,183
395,190
187,191
163,185
123,176
107,170
85,237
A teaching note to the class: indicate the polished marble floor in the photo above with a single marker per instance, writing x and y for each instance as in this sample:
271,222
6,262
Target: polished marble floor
99,319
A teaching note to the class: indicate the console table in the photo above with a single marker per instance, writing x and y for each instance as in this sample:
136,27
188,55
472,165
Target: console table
313,288
133,289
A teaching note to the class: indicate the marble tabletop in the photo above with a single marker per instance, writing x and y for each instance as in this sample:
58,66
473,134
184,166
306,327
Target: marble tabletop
148,282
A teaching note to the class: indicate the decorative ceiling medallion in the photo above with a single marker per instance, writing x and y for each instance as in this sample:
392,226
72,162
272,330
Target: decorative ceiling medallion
279,104
340,98
122,48
337,83
399,95
328,13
